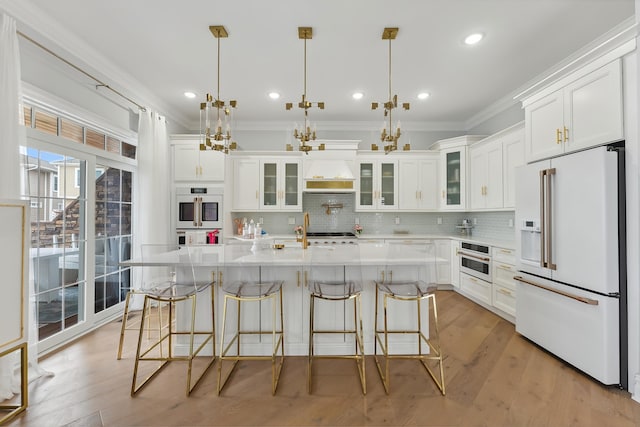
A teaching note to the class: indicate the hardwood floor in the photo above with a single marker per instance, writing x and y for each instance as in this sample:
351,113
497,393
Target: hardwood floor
494,377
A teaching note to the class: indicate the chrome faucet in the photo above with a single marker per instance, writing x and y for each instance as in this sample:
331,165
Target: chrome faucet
305,225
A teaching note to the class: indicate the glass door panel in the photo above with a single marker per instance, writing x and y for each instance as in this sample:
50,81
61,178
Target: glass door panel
453,178
366,184
270,184
387,178
291,184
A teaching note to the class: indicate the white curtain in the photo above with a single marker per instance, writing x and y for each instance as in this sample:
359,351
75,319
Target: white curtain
153,187
12,136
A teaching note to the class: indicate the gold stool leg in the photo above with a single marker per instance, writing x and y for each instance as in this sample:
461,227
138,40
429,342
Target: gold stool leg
125,316
310,356
360,360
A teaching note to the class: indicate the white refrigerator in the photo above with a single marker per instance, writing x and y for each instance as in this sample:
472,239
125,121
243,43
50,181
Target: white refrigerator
570,253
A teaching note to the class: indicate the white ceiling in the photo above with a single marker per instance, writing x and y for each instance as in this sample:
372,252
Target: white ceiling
161,48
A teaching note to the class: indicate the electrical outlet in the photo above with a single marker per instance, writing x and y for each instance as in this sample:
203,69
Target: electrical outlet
439,220
397,220
510,223
261,220
292,220
357,220
475,221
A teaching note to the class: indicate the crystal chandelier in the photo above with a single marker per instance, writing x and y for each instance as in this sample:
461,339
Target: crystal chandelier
390,136
307,132
214,112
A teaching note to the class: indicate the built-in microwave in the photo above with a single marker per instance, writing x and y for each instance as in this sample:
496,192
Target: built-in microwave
475,260
199,208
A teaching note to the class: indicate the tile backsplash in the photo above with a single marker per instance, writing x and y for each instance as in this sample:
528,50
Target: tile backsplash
493,225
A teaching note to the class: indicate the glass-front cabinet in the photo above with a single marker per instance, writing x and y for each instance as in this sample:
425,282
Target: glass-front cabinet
280,184
453,195
377,185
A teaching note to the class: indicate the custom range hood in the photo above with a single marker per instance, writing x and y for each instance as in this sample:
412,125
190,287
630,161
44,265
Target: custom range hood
331,170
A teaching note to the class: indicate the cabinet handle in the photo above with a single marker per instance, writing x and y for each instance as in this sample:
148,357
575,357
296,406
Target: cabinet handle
420,194
558,136
505,292
566,134
505,251
220,278
382,274
504,267
443,194
306,282
298,278
257,195
200,170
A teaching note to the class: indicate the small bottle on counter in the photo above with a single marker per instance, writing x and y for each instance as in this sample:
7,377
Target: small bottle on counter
252,229
245,228
258,229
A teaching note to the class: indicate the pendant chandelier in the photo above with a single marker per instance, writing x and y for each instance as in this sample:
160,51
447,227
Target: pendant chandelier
307,132
215,115
390,136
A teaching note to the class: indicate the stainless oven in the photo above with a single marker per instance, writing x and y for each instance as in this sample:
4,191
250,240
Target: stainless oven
199,208
475,260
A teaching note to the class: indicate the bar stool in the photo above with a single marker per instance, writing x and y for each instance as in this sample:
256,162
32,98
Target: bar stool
336,275
409,276
250,278
169,278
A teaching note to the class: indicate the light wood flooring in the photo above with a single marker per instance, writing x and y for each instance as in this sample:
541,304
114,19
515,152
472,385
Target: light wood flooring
494,377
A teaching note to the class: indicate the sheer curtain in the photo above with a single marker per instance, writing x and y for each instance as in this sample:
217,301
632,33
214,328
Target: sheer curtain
153,187
12,136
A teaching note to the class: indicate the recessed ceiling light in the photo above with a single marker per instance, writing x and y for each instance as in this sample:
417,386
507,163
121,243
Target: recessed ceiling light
423,95
357,95
274,95
472,39
190,95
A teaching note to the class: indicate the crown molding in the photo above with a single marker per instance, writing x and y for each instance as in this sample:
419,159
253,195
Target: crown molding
33,22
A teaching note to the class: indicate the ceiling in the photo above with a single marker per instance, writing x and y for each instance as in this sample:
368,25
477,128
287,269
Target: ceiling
163,48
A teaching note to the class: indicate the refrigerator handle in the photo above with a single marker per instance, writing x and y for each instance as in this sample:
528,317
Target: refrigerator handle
543,233
550,264
195,212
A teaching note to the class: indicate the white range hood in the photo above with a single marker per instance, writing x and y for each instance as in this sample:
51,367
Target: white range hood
331,170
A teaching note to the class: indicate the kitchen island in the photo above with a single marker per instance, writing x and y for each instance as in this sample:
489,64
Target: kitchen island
365,262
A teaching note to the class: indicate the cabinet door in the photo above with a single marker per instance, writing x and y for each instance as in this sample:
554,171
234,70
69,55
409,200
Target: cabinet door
455,264
493,187
388,188
593,106
512,157
544,124
211,165
290,186
246,179
443,254
186,163
269,190
428,190
366,189
477,177
409,180
454,177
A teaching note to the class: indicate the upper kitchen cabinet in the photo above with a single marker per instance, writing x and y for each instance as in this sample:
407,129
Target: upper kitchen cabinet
580,111
453,171
377,184
191,164
281,184
246,183
492,164
418,183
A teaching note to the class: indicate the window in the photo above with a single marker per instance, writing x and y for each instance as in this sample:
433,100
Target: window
54,187
77,178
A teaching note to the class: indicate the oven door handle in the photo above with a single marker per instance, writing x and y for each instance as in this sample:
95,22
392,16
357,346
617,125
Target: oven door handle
481,258
555,291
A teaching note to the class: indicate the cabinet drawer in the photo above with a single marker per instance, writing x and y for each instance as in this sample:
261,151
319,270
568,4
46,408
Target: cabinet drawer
504,299
503,274
476,287
507,256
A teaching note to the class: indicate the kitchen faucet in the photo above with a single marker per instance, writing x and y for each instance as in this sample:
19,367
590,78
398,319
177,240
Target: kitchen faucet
305,225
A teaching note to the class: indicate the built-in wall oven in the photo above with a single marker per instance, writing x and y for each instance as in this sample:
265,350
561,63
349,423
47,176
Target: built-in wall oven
198,207
475,260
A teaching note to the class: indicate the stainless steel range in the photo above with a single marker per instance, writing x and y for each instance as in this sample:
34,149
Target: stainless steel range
331,238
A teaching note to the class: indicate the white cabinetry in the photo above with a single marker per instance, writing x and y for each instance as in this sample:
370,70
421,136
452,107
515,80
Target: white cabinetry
246,184
485,183
191,164
418,183
455,264
492,164
504,287
377,185
443,264
476,288
453,171
267,183
281,185
581,113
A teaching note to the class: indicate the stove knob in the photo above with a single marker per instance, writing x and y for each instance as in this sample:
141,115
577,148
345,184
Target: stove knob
334,242
343,242
326,243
